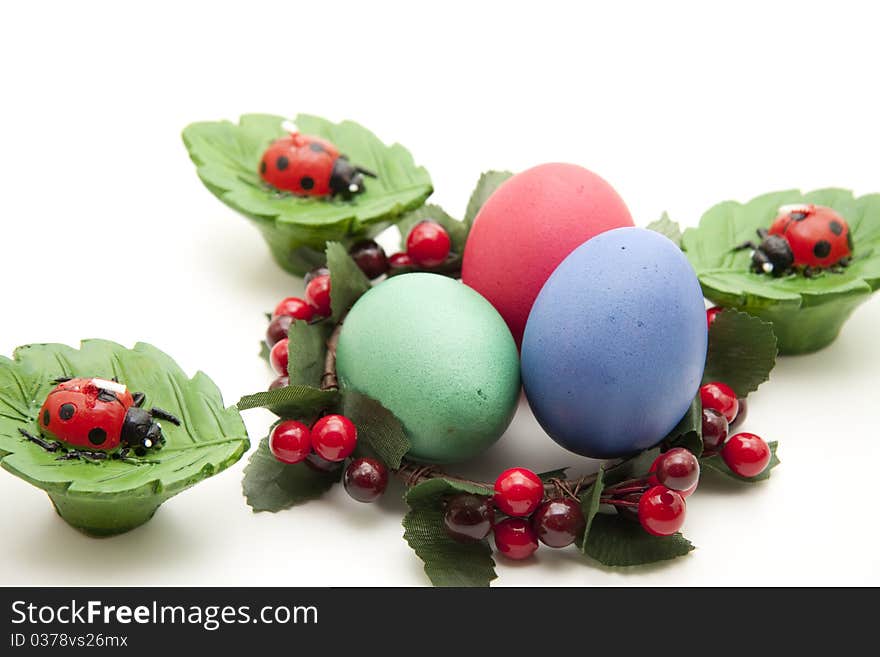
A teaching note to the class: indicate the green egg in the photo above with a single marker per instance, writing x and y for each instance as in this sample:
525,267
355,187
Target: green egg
437,355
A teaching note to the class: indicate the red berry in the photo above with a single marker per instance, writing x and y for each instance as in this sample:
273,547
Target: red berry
314,273
661,511
711,314
290,441
518,492
468,517
721,397
334,437
398,260
746,454
558,522
318,294
428,244
278,357
515,538
715,429
293,307
678,469
278,329
279,382
370,257
741,415
365,479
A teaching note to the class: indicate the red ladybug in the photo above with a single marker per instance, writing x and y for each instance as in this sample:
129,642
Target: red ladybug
807,237
100,415
311,166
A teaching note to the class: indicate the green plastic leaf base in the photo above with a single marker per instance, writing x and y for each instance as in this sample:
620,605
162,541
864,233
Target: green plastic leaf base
101,517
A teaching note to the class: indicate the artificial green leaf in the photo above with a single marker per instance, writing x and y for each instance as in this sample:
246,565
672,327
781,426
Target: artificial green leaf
616,541
630,468
292,402
806,313
378,427
306,348
715,463
665,226
486,186
347,281
742,351
270,485
431,491
688,433
264,351
113,496
458,230
227,158
559,473
590,502
447,562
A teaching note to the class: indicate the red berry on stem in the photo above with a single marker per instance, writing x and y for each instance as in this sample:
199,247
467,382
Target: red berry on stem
715,429
661,511
741,414
518,492
428,244
278,357
678,469
468,517
293,307
515,538
318,295
278,329
290,441
398,260
279,382
334,437
365,479
721,397
558,522
711,314
746,454
370,257
314,273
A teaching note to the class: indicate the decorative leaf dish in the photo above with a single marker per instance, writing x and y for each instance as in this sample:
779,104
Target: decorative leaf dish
807,312
120,492
228,159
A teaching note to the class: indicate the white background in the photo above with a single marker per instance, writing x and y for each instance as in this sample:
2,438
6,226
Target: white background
107,232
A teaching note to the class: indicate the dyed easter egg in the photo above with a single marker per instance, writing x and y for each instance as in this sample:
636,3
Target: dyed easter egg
531,222
615,345
437,355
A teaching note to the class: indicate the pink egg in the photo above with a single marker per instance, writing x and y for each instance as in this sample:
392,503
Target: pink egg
528,226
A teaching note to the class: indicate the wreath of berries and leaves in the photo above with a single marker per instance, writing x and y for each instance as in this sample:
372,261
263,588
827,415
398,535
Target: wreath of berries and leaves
627,512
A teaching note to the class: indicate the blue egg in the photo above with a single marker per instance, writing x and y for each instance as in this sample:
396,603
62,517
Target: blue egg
615,344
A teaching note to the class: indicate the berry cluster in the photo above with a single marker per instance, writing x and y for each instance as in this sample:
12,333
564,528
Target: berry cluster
324,446
744,453
427,246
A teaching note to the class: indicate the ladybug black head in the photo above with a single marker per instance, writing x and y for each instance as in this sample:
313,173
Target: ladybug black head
140,431
346,180
773,256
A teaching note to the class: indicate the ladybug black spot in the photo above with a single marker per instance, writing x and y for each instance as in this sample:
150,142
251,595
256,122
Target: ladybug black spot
263,166
282,162
66,411
307,182
46,417
317,148
798,216
822,249
97,436
836,227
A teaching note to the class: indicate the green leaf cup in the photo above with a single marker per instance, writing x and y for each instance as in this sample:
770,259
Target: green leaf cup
297,228
102,498
807,313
